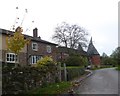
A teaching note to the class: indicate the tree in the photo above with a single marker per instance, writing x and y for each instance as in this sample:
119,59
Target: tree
107,60
116,56
104,55
70,35
16,42
76,60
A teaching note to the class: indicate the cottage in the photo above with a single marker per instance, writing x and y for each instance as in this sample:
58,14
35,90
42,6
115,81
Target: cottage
36,49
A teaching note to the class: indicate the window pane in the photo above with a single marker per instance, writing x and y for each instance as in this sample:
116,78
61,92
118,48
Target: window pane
10,59
13,57
10,55
49,49
32,59
7,59
7,55
34,46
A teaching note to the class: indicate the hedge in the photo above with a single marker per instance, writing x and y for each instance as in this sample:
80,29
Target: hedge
72,73
22,79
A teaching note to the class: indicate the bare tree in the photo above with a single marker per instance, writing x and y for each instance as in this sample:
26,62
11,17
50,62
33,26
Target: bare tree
70,35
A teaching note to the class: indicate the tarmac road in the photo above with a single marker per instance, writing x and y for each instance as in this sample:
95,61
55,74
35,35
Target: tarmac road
103,81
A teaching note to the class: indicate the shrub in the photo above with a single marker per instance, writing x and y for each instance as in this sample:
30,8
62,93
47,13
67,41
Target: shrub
76,61
74,73
21,79
46,64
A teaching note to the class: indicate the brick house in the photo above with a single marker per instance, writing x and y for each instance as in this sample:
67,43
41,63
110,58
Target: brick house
93,55
36,49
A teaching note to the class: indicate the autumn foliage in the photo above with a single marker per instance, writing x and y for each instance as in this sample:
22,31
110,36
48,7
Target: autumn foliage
17,42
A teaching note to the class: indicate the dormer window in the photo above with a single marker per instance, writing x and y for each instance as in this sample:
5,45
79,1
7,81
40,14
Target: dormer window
48,49
35,46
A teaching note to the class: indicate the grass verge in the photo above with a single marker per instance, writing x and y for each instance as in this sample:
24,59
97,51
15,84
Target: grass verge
118,68
71,67
102,67
56,88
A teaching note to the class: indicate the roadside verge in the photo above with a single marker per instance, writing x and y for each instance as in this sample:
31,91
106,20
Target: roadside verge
77,82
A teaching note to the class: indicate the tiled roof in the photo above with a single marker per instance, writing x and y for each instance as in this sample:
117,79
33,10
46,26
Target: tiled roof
80,48
91,49
67,50
7,32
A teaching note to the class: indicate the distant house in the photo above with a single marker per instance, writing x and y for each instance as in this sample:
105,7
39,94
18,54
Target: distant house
93,55
35,50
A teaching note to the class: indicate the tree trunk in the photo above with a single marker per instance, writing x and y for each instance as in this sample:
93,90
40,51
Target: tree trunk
15,60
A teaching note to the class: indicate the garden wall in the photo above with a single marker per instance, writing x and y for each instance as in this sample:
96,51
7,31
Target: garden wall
22,79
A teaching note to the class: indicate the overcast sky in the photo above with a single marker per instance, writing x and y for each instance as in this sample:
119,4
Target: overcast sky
98,17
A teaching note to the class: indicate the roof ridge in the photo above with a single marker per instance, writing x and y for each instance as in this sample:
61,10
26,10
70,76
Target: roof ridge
91,49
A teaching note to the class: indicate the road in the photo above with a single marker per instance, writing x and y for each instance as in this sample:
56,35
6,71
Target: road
103,81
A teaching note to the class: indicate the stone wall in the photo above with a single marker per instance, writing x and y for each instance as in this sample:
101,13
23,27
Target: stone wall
23,79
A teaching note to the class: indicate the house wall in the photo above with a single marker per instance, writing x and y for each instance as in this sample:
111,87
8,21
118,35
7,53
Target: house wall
4,45
42,50
26,51
21,57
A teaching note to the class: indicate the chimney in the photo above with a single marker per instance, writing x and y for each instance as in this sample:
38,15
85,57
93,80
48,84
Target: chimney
35,32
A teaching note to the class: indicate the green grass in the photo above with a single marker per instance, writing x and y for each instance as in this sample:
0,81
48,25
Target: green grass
56,88
74,67
118,68
69,67
102,67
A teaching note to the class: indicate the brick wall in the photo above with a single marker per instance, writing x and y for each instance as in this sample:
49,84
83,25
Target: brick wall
22,59
95,59
42,50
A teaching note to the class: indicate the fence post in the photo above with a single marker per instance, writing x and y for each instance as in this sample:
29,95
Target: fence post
65,72
59,66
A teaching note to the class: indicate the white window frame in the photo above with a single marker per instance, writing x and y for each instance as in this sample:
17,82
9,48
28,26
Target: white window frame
36,48
48,48
35,58
10,57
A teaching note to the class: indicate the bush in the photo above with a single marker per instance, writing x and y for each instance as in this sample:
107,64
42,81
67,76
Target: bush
74,72
76,61
47,64
19,80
